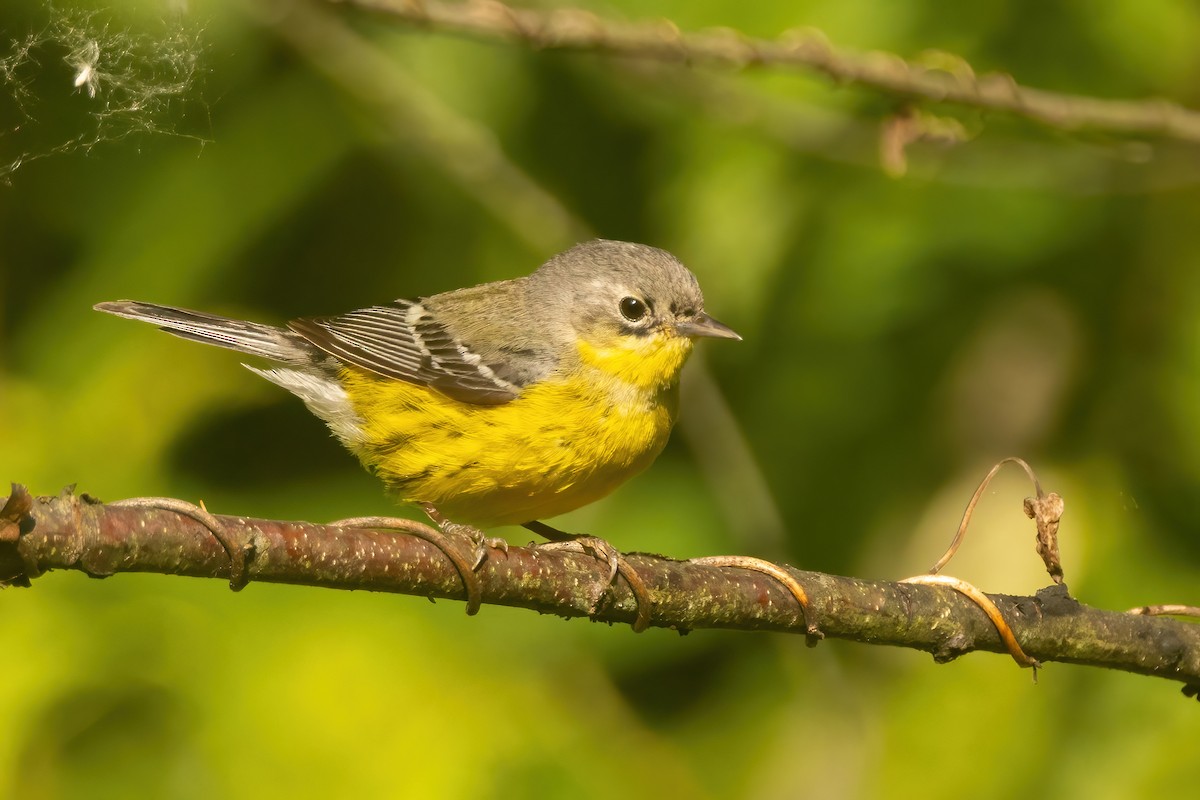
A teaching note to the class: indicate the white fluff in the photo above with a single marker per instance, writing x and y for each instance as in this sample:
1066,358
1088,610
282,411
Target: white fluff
324,398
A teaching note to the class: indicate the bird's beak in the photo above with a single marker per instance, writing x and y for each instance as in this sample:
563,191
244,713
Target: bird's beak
704,325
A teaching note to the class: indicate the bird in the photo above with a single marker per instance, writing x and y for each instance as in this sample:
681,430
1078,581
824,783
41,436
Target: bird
505,403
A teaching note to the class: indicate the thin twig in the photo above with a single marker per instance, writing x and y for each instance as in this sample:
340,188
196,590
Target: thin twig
806,49
1167,609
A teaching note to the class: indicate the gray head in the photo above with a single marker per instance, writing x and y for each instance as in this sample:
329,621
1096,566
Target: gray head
615,288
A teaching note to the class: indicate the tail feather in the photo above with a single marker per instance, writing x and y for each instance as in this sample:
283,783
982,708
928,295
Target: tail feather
252,338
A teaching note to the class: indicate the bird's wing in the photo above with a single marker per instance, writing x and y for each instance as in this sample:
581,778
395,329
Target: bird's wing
403,340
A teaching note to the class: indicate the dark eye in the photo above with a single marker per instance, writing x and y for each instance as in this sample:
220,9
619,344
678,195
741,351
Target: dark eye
632,308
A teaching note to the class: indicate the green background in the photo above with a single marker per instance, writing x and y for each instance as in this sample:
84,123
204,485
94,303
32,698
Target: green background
1030,292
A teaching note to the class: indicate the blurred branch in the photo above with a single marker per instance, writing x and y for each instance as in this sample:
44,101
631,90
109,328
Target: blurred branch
951,81
415,117
470,154
80,533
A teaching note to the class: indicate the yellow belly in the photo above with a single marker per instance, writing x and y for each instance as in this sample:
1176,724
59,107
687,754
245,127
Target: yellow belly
560,445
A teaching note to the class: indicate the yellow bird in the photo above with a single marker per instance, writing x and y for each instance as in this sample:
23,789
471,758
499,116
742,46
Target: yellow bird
498,404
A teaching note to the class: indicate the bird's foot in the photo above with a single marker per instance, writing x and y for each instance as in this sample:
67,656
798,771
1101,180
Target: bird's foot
604,551
483,543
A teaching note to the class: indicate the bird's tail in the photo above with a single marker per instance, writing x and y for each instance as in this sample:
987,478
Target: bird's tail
252,338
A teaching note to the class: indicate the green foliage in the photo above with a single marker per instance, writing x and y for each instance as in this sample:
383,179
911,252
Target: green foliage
1026,293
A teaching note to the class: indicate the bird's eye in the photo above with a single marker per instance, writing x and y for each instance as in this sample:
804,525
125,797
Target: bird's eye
632,309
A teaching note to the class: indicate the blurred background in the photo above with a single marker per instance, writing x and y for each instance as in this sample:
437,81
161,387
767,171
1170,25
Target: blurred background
1025,292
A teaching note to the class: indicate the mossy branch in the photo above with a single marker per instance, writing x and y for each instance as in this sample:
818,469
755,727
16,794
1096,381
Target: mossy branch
77,532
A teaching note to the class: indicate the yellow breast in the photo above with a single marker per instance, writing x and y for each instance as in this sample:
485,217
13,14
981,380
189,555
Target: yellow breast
563,443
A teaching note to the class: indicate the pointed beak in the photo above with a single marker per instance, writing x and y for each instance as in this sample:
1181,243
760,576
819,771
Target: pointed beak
704,325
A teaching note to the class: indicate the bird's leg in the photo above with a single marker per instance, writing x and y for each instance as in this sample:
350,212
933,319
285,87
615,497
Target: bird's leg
239,552
617,565
482,541
439,539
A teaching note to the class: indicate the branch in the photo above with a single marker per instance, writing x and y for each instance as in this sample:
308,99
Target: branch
81,533
806,49
416,119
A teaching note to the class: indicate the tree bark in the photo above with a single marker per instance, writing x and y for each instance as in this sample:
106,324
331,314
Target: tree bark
77,532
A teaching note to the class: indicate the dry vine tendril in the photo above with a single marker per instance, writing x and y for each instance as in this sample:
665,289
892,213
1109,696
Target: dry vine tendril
1046,510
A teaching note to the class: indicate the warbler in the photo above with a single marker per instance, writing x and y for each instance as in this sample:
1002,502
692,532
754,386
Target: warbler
499,404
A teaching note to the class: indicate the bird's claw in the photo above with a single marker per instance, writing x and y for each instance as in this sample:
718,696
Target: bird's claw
604,551
589,546
481,542
484,545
